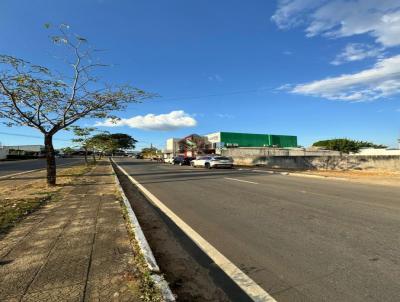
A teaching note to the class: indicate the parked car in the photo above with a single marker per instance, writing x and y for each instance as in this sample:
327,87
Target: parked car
182,161
169,160
212,161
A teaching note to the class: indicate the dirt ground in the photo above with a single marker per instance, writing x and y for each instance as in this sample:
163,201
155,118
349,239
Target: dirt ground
379,177
20,195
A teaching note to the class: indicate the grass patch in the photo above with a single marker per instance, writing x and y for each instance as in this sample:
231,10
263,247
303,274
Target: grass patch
148,290
12,210
21,196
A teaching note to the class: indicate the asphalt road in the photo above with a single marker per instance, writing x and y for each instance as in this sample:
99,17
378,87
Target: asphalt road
12,167
301,239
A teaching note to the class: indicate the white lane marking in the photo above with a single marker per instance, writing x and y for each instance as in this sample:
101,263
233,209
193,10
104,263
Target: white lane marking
31,171
264,171
246,181
252,289
20,173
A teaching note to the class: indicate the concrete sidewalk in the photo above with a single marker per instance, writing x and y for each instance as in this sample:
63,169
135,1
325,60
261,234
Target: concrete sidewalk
74,249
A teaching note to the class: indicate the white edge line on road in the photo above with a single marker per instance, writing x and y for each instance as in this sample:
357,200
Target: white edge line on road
20,173
317,176
240,180
251,288
31,171
301,175
264,171
144,246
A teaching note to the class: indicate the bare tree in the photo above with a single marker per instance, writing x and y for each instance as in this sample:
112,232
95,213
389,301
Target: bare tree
32,95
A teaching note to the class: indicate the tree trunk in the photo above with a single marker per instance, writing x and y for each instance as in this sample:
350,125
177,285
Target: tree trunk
86,153
94,156
51,160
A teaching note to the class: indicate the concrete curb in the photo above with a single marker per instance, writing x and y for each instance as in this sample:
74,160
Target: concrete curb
254,291
317,176
297,174
144,246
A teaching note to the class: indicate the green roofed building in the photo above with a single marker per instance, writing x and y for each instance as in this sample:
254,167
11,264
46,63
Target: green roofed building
237,140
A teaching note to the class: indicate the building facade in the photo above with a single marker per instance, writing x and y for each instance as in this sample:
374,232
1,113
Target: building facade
194,144
21,151
222,140
171,147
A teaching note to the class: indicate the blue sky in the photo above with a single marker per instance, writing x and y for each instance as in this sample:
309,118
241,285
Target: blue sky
315,69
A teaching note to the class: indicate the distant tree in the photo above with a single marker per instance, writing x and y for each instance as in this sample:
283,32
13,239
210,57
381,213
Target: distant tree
82,136
150,152
102,143
33,96
123,141
67,150
345,145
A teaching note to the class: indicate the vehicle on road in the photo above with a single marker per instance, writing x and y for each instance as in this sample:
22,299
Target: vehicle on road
182,161
169,160
212,161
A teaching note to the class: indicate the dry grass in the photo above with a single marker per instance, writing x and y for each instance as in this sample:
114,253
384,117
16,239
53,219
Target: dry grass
391,178
358,173
23,194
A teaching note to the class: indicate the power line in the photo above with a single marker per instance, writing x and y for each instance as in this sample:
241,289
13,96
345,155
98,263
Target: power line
58,139
32,136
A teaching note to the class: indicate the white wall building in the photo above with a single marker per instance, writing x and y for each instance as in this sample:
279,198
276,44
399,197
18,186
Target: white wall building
3,153
171,148
20,150
376,152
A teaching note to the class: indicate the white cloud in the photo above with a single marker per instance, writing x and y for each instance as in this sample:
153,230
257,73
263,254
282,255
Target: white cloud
380,19
225,115
287,53
163,122
382,80
343,18
215,77
356,52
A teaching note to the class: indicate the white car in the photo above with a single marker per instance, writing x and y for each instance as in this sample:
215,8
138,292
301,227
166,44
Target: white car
212,161
169,160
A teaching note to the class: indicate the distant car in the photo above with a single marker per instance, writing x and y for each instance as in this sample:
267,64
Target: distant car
64,155
169,160
139,156
182,161
212,161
